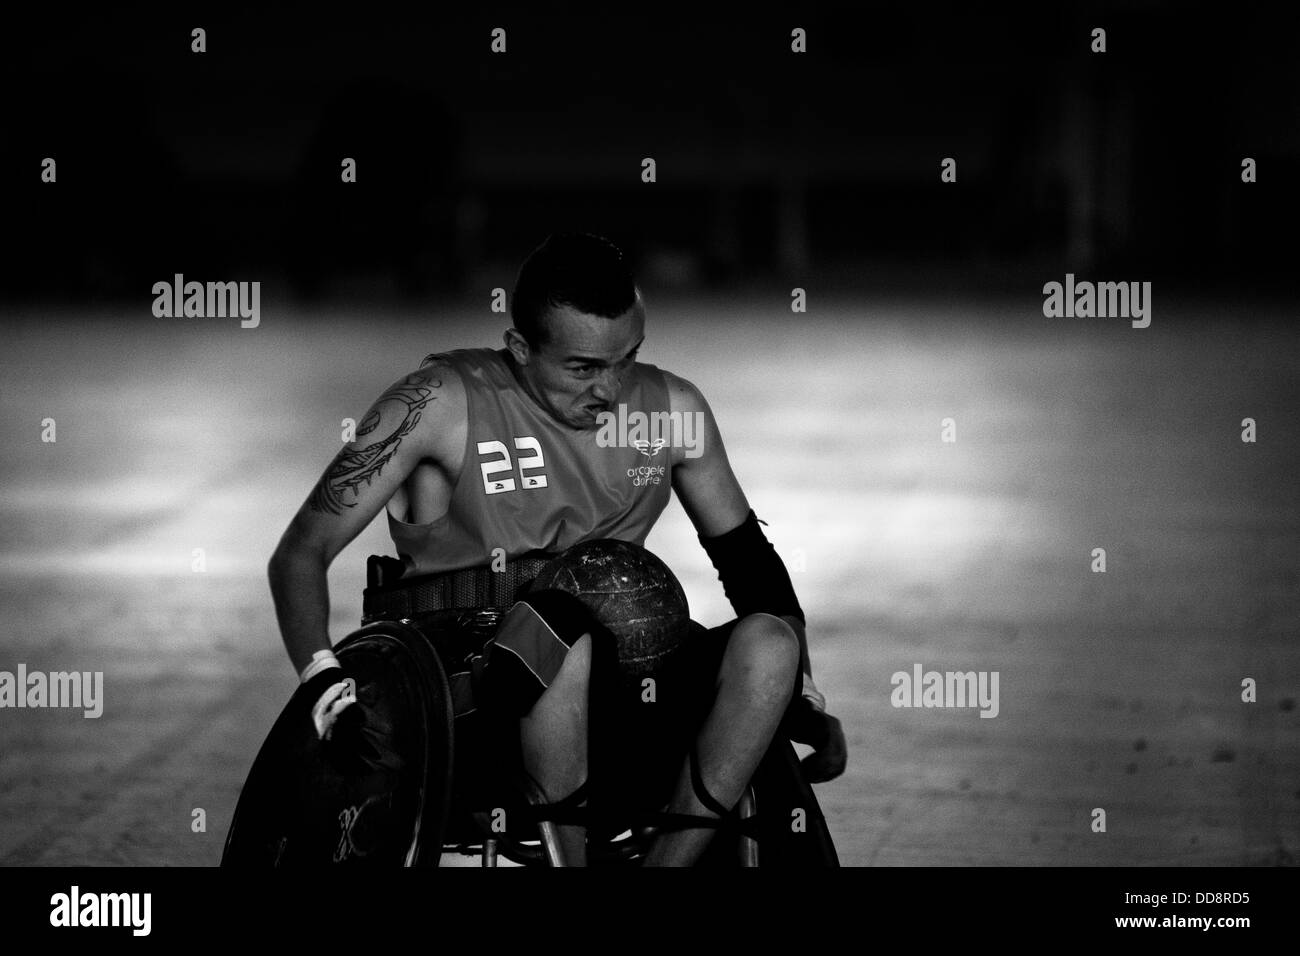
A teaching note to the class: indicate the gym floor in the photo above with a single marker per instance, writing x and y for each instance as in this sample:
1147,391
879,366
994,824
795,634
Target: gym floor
1119,690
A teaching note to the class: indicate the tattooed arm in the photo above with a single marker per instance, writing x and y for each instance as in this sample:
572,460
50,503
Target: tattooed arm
416,419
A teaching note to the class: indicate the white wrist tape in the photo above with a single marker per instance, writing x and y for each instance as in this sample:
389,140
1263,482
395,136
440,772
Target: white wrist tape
319,662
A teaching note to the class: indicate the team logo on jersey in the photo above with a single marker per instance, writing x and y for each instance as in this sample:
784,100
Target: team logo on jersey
647,475
650,448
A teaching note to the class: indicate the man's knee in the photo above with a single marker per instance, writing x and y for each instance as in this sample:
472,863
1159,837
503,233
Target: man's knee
763,651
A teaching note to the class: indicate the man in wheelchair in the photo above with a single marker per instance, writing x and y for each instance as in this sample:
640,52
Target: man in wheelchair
495,459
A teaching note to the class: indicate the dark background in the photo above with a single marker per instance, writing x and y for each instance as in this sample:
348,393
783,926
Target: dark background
770,165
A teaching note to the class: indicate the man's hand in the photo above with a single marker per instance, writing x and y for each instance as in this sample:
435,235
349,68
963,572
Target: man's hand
340,722
811,725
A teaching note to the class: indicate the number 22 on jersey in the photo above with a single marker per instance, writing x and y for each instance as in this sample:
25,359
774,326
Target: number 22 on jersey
495,471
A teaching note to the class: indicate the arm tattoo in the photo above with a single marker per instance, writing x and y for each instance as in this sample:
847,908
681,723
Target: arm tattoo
354,466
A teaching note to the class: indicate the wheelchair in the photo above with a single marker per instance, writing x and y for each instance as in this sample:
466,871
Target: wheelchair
420,649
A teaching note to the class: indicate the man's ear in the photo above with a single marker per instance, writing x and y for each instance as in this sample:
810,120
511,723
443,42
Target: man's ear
518,345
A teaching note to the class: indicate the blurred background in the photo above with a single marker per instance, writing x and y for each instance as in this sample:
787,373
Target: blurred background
770,164
775,170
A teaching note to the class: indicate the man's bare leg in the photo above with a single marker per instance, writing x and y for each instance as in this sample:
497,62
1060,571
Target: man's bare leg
754,686
554,739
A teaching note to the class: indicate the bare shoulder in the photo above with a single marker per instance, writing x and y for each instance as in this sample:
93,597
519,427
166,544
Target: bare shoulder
415,420
684,396
425,406
436,372
698,428
444,417
702,475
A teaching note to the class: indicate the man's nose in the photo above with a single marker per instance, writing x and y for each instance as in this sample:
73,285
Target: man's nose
607,385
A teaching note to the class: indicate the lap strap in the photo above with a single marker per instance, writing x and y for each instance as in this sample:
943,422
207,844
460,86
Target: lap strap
568,810
701,792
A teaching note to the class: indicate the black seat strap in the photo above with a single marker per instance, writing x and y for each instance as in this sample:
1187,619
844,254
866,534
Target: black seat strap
568,810
701,792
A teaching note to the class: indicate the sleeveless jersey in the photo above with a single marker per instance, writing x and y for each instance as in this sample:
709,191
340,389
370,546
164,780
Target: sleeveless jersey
529,483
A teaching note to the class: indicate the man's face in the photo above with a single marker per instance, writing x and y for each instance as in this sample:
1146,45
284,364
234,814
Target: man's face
578,370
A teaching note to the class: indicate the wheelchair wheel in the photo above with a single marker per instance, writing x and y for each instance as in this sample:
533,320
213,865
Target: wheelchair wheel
297,810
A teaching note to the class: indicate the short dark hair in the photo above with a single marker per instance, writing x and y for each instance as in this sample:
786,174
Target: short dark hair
581,270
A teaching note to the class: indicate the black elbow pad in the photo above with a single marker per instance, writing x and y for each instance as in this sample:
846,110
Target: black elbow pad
753,575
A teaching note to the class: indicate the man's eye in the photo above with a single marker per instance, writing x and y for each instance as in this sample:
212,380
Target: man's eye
583,369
